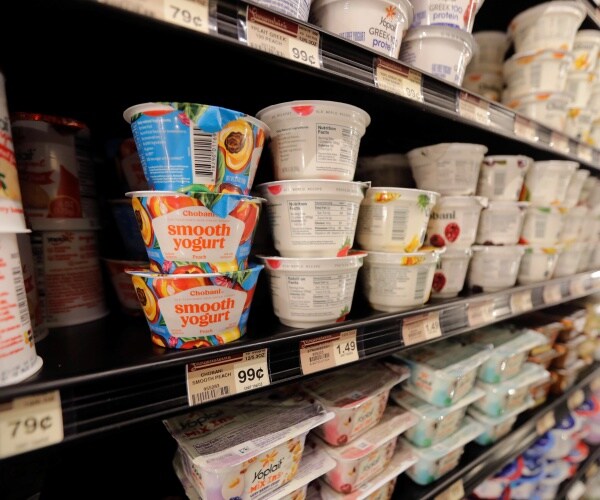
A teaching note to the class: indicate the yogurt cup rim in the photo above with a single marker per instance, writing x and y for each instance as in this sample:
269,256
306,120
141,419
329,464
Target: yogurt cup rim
540,53
441,32
309,102
568,164
404,190
418,253
353,255
508,204
403,4
501,156
15,231
151,274
148,193
539,10
468,145
457,253
457,199
365,184
508,249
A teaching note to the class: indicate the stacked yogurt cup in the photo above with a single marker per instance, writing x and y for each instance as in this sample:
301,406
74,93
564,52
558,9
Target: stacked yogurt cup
197,221
484,73
313,206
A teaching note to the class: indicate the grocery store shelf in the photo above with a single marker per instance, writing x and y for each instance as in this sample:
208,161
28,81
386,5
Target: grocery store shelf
581,474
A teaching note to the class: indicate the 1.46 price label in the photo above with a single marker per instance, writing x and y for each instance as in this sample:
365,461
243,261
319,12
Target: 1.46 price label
328,351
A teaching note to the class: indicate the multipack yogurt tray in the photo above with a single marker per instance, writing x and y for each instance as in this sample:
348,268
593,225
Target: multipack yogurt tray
497,427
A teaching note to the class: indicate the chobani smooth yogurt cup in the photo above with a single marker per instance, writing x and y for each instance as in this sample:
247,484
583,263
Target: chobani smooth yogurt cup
454,220
501,223
542,225
494,268
186,311
450,272
182,145
313,218
312,291
315,139
121,283
460,14
210,441
501,177
451,169
196,232
538,264
548,108
585,50
547,182
575,188
399,281
378,25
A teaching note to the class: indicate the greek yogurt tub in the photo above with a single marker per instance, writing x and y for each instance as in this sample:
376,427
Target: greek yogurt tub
548,108
210,441
579,85
456,14
547,182
435,424
450,273
501,223
585,50
542,225
502,176
315,139
568,260
494,268
454,220
356,398
575,187
538,263
313,218
312,291
497,427
574,222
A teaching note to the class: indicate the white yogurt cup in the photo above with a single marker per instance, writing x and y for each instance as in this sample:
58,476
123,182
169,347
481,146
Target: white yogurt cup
455,14
550,25
454,220
440,51
494,268
594,262
568,260
501,223
579,85
579,123
585,257
394,219
588,186
574,222
594,102
450,273
398,281
542,225
450,168
502,176
378,25
315,139
312,292
538,264
585,50
491,49
547,182
313,218
594,138
487,83
548,108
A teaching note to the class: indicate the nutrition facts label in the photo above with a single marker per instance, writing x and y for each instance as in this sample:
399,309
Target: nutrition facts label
321,217
336,144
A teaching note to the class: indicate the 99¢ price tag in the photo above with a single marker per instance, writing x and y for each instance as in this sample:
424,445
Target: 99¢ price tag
398,79
30,423
521,302
328,351
192,14
420,328
552,293
480,313
525,129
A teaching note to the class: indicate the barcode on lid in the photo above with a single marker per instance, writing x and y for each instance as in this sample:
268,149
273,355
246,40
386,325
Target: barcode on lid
499,180
399,223
420,285
210,395
204,156
21,295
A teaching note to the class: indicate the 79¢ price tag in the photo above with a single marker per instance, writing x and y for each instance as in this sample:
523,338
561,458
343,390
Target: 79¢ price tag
473,108
227,375
420,328
480,313
521,302
398,79
328,351
30,423
192,14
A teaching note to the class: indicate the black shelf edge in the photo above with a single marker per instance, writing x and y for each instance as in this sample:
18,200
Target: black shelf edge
584,466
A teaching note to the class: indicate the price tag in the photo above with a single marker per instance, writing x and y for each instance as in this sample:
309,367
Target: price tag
585,153
455,492
592,470
420,328
277,35
520,302
545,423
227,375
30,422
577,287
328,351
474,108
560,142
397,79
480,313
525,129
575,399
595,385
192,14
552,293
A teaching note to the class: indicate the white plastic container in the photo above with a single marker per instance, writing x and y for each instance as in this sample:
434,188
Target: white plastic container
547,182
444,372
494,268
550,25
398,281
575,187
538,264
455,14
437,460
579,123
450,273
579,85
454,220
585,257
501,223
356,398
451,169
378,25
313,218
441,51
312,292
487,83
491,49
394,219
435,424
502,176
585,50
548,108
360,461
542,225
568,260
314,139
574,222
506,396
497,427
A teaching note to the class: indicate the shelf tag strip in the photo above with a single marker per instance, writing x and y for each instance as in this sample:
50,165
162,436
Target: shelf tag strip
552,293
520,302
525,129
328,351
560,142
480,313
421,327
473,108
398,79
455,492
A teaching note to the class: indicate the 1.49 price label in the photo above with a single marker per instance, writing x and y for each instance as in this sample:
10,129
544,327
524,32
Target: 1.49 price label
328,351
420,328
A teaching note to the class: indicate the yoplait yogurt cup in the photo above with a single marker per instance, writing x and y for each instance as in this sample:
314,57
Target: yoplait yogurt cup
185,146
502,176
196,232
455,14
186,311
454,220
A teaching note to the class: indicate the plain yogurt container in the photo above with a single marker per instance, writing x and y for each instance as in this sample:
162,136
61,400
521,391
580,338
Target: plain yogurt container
550,25
542,225
313,218
315,139
568,260
394,219
502,176
497,427
378,25
454,220
585,50
579,123
548,108
494,268
575,187
312,291
435,424
450,273
547,182
273,447
450,169
594,102
491,49
444,372
399,281
574,222
501,223
441,51
455,14
579,85
356,398
538,264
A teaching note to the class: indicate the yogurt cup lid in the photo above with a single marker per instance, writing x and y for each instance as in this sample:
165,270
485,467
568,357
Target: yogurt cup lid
53,120
353,260
406,259
529,375
500,250
462,201
404,397
539,11
275,187
457,253
445,32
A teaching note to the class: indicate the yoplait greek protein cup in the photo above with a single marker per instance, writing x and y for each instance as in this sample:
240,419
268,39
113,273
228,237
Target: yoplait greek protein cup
187,311
188,146
196,232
